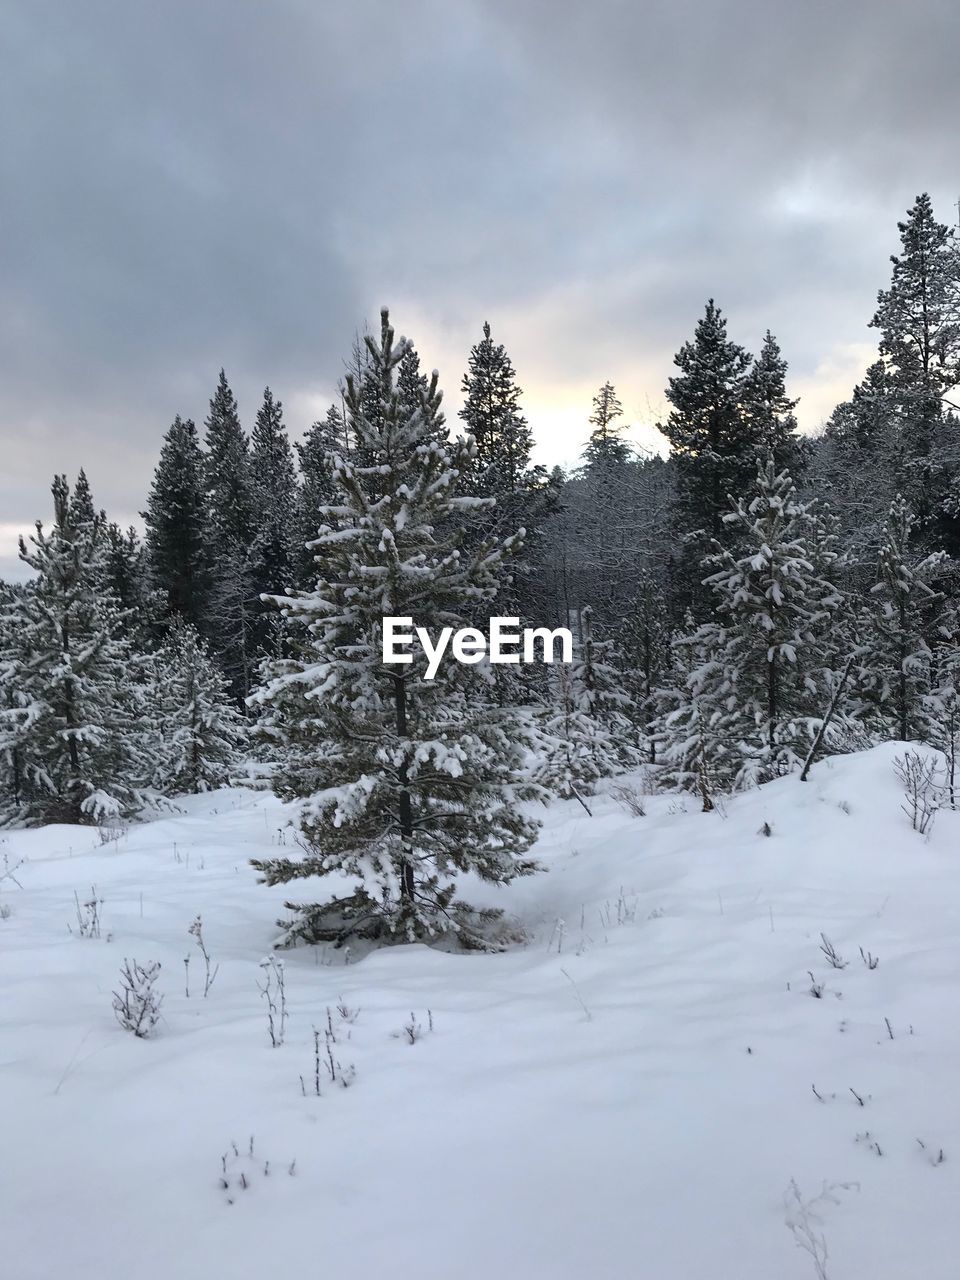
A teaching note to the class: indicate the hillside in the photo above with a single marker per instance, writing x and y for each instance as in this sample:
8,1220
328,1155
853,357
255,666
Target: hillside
629,1094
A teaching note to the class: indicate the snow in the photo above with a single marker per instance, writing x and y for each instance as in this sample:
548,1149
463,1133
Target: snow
629,1094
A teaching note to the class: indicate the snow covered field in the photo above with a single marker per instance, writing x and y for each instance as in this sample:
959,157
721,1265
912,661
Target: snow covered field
628,1095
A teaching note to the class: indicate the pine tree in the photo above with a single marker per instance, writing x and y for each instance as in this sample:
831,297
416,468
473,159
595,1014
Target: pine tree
234,605
413,386
84,755
603,505
714,447
588,729
501,469
124,567
903,626
228,472
274,551
322,444
574,750
82,510
203,734
178,528
867,419
126,580
612,529
697,752
369,387
919,321
644,641
942,712
769,410
598,674
856,466
491,411
759,677
410,782
606,445
20,775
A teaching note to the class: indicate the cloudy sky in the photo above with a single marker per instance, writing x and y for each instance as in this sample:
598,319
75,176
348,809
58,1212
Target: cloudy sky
194,183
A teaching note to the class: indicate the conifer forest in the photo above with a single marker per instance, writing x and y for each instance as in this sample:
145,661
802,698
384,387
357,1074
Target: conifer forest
486,804
740,602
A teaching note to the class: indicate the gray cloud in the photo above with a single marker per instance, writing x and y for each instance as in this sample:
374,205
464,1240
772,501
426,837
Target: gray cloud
187,185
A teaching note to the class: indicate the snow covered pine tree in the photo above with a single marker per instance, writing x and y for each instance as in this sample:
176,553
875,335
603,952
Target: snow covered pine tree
405,782
588,732
906,621
75,721
201,730
759,678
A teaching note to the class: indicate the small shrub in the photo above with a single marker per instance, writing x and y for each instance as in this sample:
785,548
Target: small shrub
88,914
834,959
273,989
210,973
804,1222
136,1004
631,798
919,776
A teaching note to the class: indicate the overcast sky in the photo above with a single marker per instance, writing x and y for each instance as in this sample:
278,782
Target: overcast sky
187,184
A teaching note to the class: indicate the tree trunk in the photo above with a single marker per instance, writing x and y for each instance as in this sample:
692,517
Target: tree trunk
406,808
904,718
17,783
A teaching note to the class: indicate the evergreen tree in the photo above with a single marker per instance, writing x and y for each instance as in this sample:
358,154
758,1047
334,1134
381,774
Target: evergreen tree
410,782
413,386
606,445
228,472
856,467
178,528
124,567
367,380
905,622
234,605
323,443
698,754
769,410
202,732
574,749
612,531
644,641
598,675
759,677
919,321
491,411
82,510
604,504
501,470
867,419
714,446
943,713
588,730
20,775
274,480
83,753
